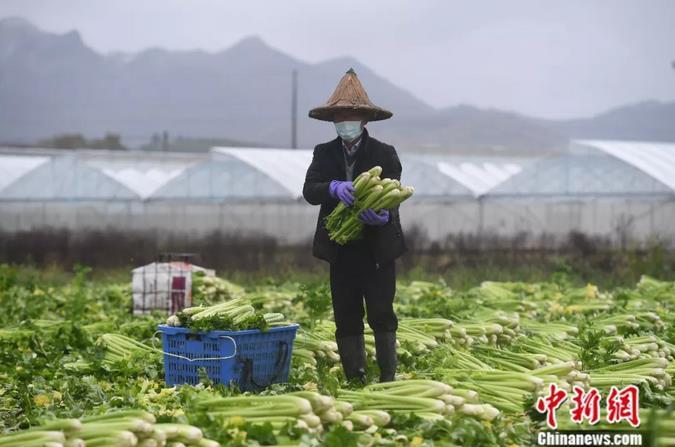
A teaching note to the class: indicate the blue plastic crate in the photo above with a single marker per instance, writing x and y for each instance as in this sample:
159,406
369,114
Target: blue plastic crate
252,359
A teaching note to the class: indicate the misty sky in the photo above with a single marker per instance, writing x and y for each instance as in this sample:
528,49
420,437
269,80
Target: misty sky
557,59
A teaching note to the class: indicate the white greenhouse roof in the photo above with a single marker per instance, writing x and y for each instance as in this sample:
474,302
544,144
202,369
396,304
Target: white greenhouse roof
14,166
598,168
223,177
286,166
655,159
428,180
576,175
65,177
142,176
445,175
602,168
479,176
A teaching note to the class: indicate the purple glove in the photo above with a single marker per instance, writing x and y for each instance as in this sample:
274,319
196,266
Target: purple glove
342,190
370,217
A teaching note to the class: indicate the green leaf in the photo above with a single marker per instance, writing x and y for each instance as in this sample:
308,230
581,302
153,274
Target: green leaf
340,437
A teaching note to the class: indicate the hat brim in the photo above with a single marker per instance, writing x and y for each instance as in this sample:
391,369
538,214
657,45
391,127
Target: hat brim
326,113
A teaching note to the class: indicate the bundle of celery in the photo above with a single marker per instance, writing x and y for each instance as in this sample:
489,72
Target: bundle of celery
118,348
370,191
122,428
509,388
636,372
428,399
509,391
305,410
233,315
318,342
212,289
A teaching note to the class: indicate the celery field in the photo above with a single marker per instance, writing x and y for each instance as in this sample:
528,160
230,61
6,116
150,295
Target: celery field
78,369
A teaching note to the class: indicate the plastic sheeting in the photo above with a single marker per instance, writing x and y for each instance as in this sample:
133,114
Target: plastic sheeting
592,167
142,176
655,159
12,167
580,175
285,166
223,178
479,176
622,190
65,178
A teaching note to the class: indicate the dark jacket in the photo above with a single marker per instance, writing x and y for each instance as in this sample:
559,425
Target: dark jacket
386,242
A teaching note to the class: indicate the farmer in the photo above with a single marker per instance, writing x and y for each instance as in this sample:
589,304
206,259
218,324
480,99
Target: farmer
363,268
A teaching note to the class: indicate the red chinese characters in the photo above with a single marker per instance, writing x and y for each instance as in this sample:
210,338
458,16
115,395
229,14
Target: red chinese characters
585,406
549,404
623,405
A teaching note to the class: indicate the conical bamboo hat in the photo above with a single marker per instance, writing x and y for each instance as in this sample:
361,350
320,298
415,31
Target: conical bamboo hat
349,95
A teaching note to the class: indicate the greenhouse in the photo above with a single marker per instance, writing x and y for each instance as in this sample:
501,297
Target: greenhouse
622,189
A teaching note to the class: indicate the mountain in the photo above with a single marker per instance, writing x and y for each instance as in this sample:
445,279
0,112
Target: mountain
647,120
54,84
466,128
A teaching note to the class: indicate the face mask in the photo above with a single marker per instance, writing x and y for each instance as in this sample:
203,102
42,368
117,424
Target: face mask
348,130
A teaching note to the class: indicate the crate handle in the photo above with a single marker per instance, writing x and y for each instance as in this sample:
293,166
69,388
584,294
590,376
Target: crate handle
202,359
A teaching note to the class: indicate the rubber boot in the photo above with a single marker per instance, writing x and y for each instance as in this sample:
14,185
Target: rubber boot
352,350
385,352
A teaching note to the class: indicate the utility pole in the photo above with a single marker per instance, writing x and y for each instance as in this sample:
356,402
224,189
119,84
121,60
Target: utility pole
165,141
294,110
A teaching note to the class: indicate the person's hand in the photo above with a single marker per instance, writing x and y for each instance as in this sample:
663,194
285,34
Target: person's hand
343,191
370,217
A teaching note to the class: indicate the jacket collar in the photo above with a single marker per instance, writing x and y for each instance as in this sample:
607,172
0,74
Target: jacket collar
362,154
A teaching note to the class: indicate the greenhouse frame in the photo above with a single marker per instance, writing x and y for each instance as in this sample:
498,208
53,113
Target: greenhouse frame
621,190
